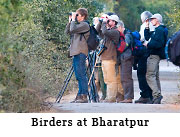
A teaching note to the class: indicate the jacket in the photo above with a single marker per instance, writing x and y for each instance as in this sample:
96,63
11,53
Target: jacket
78,42
157,41
111,37
142,28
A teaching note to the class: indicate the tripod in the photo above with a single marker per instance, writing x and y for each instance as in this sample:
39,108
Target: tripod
93,95
66,82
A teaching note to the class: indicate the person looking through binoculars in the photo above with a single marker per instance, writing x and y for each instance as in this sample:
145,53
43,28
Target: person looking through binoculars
79,50
108,31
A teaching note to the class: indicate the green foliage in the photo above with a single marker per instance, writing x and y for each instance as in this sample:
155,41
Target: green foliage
55,16
159,6
21,101
174,16
34,51
129,11
9,74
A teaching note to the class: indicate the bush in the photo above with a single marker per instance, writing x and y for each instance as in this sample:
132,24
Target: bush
23,100
34,49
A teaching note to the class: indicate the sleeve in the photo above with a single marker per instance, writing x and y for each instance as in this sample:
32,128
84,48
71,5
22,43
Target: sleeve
110,33
67,29
147,34
141,32
98,28
79,28
128,39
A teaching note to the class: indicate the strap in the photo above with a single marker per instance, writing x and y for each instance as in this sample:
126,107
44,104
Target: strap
82,34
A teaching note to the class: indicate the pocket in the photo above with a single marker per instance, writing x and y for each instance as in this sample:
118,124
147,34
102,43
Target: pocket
152,63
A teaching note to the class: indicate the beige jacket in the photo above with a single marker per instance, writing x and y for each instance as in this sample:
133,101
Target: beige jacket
78,42
110,36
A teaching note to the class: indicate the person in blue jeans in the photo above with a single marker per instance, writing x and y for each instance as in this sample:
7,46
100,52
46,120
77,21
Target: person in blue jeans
79,50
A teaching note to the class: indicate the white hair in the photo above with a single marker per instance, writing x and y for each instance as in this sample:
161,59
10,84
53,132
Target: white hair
120,24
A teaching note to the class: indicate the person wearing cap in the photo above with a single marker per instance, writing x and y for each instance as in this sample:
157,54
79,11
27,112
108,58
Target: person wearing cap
156,44
141,62
126,60
108,31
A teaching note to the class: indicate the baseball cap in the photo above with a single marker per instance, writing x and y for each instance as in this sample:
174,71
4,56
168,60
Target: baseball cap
114,17
158,17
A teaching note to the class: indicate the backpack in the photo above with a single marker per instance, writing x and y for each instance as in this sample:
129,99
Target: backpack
138,49
93,40
121,46
173,48
164,54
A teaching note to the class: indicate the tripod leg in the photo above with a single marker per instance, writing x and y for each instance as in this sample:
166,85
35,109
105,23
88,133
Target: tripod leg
65,84
93,92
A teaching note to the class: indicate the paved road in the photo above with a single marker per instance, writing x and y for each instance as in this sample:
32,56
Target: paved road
169,75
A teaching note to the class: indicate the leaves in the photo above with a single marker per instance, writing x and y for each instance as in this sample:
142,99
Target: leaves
34,48
174,16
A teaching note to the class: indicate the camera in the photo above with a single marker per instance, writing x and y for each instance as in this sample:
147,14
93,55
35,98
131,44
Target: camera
101,49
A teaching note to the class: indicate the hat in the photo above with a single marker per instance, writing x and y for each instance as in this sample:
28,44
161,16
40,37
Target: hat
104,17
114,17
158,17
145,15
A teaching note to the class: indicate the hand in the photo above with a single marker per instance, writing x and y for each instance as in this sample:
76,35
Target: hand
104,17
74,16
70,18
95,20
147,23
107,26
145,43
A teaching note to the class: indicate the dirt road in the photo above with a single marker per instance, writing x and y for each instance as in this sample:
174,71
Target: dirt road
169,75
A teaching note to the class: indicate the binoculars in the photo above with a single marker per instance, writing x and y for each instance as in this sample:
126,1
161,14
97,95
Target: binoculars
70,14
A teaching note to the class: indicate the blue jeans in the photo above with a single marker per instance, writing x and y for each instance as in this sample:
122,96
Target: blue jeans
79,64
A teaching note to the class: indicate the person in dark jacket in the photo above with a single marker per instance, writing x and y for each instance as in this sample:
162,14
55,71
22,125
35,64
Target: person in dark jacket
146,92
79,51
156,45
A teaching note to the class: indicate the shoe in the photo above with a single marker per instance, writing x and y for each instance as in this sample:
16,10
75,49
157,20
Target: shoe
142,100
157,100
126,101
111,100
78,97
150,102
119,98
83,99
102,98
